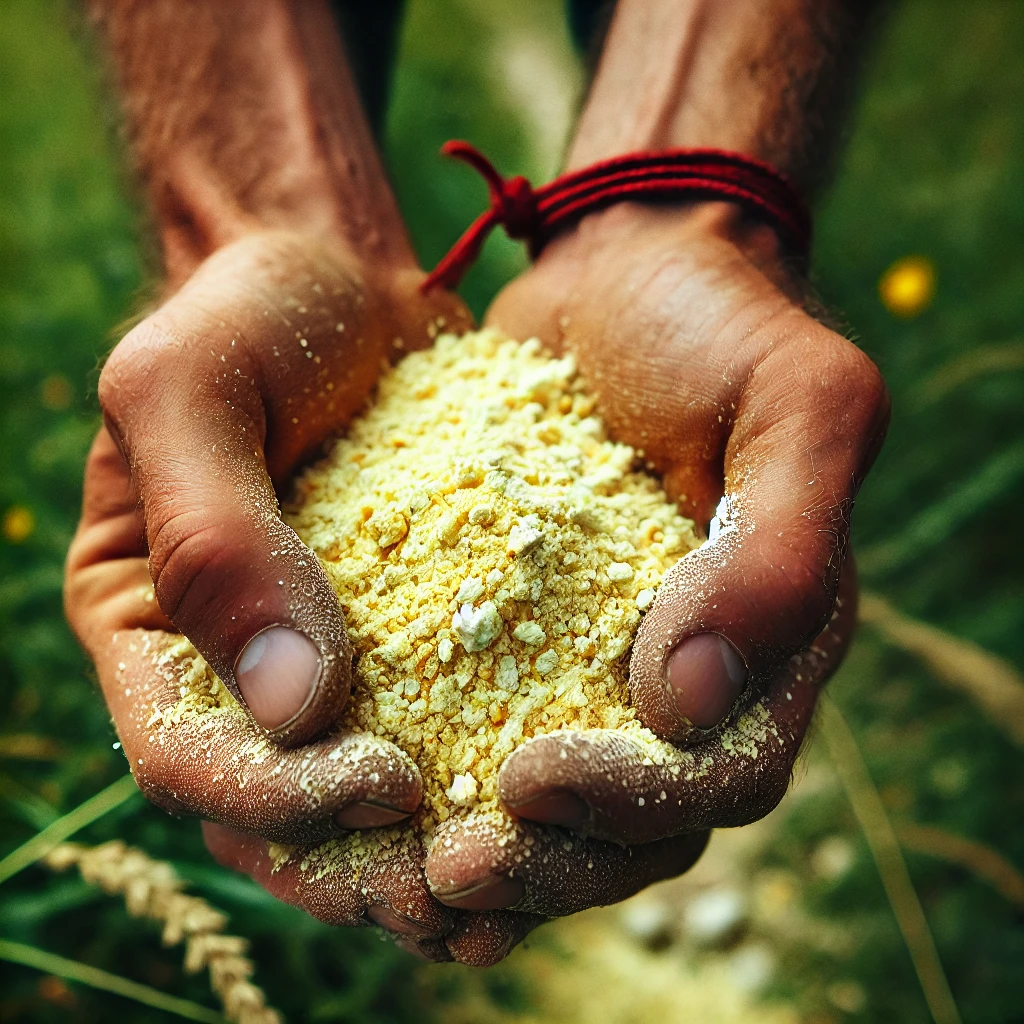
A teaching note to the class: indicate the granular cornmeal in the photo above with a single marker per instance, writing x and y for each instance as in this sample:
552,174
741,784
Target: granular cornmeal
493,553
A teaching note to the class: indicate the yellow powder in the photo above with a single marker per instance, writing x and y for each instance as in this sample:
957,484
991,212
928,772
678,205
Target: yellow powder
493,553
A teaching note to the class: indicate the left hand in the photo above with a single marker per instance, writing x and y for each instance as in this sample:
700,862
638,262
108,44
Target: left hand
209,403
692,335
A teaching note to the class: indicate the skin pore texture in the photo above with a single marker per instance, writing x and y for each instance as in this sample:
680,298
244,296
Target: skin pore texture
278,228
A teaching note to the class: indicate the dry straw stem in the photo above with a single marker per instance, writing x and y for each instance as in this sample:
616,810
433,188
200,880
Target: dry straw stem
27,747
976,857
885,849
989,681
999,357
151,889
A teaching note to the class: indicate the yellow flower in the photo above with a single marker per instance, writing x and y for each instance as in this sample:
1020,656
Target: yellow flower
56,392
18,524
908,286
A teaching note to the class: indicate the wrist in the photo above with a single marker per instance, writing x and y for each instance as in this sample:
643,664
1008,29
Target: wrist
198,211
629,230
244,118
764,79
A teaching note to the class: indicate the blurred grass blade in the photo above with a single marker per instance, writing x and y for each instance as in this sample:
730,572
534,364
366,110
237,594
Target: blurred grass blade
64,827
989,681
976,362
939,522
885,849
74,970
26,804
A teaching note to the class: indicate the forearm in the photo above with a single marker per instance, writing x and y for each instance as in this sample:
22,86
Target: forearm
762,77
243,116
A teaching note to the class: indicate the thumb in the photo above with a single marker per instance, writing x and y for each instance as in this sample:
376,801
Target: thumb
190,422
728,616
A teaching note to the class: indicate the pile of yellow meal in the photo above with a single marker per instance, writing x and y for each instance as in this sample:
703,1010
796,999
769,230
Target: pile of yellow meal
493,552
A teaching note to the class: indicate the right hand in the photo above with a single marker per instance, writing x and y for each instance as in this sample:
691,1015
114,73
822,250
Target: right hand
689,332
270,348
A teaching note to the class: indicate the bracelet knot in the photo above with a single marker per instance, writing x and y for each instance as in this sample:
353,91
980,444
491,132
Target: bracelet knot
513,201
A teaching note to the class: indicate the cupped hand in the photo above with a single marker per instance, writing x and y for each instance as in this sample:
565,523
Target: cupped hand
692,334
270,347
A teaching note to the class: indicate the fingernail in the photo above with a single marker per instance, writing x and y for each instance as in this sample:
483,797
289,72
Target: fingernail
276,673
400,924
495,892
367,814
555,807
705,676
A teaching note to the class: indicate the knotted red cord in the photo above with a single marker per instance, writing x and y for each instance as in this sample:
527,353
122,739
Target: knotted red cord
536,214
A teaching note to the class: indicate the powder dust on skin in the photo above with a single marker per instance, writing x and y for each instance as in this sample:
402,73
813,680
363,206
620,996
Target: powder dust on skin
493,553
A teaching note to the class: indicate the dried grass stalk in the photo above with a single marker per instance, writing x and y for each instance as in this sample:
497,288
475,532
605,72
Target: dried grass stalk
885,849
979,859
991,682
983,360
151,889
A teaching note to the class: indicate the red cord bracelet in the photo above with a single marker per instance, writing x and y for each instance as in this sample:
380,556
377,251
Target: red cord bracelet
537,214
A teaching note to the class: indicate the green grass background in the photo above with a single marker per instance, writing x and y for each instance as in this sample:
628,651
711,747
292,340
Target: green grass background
934,166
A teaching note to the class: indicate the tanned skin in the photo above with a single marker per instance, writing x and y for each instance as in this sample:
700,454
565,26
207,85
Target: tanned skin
688,321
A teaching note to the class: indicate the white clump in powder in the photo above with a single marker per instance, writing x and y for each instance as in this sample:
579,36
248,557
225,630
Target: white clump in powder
507,676
547,661
619,572
525,535
463,790
470,590
477,627
530,633
481,515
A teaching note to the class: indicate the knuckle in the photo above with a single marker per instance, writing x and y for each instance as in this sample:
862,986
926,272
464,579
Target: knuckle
753,792
873,387
76,611
135,367
807,594
772,784
858,381
156,781
184,549
786,597
867,383
764,798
